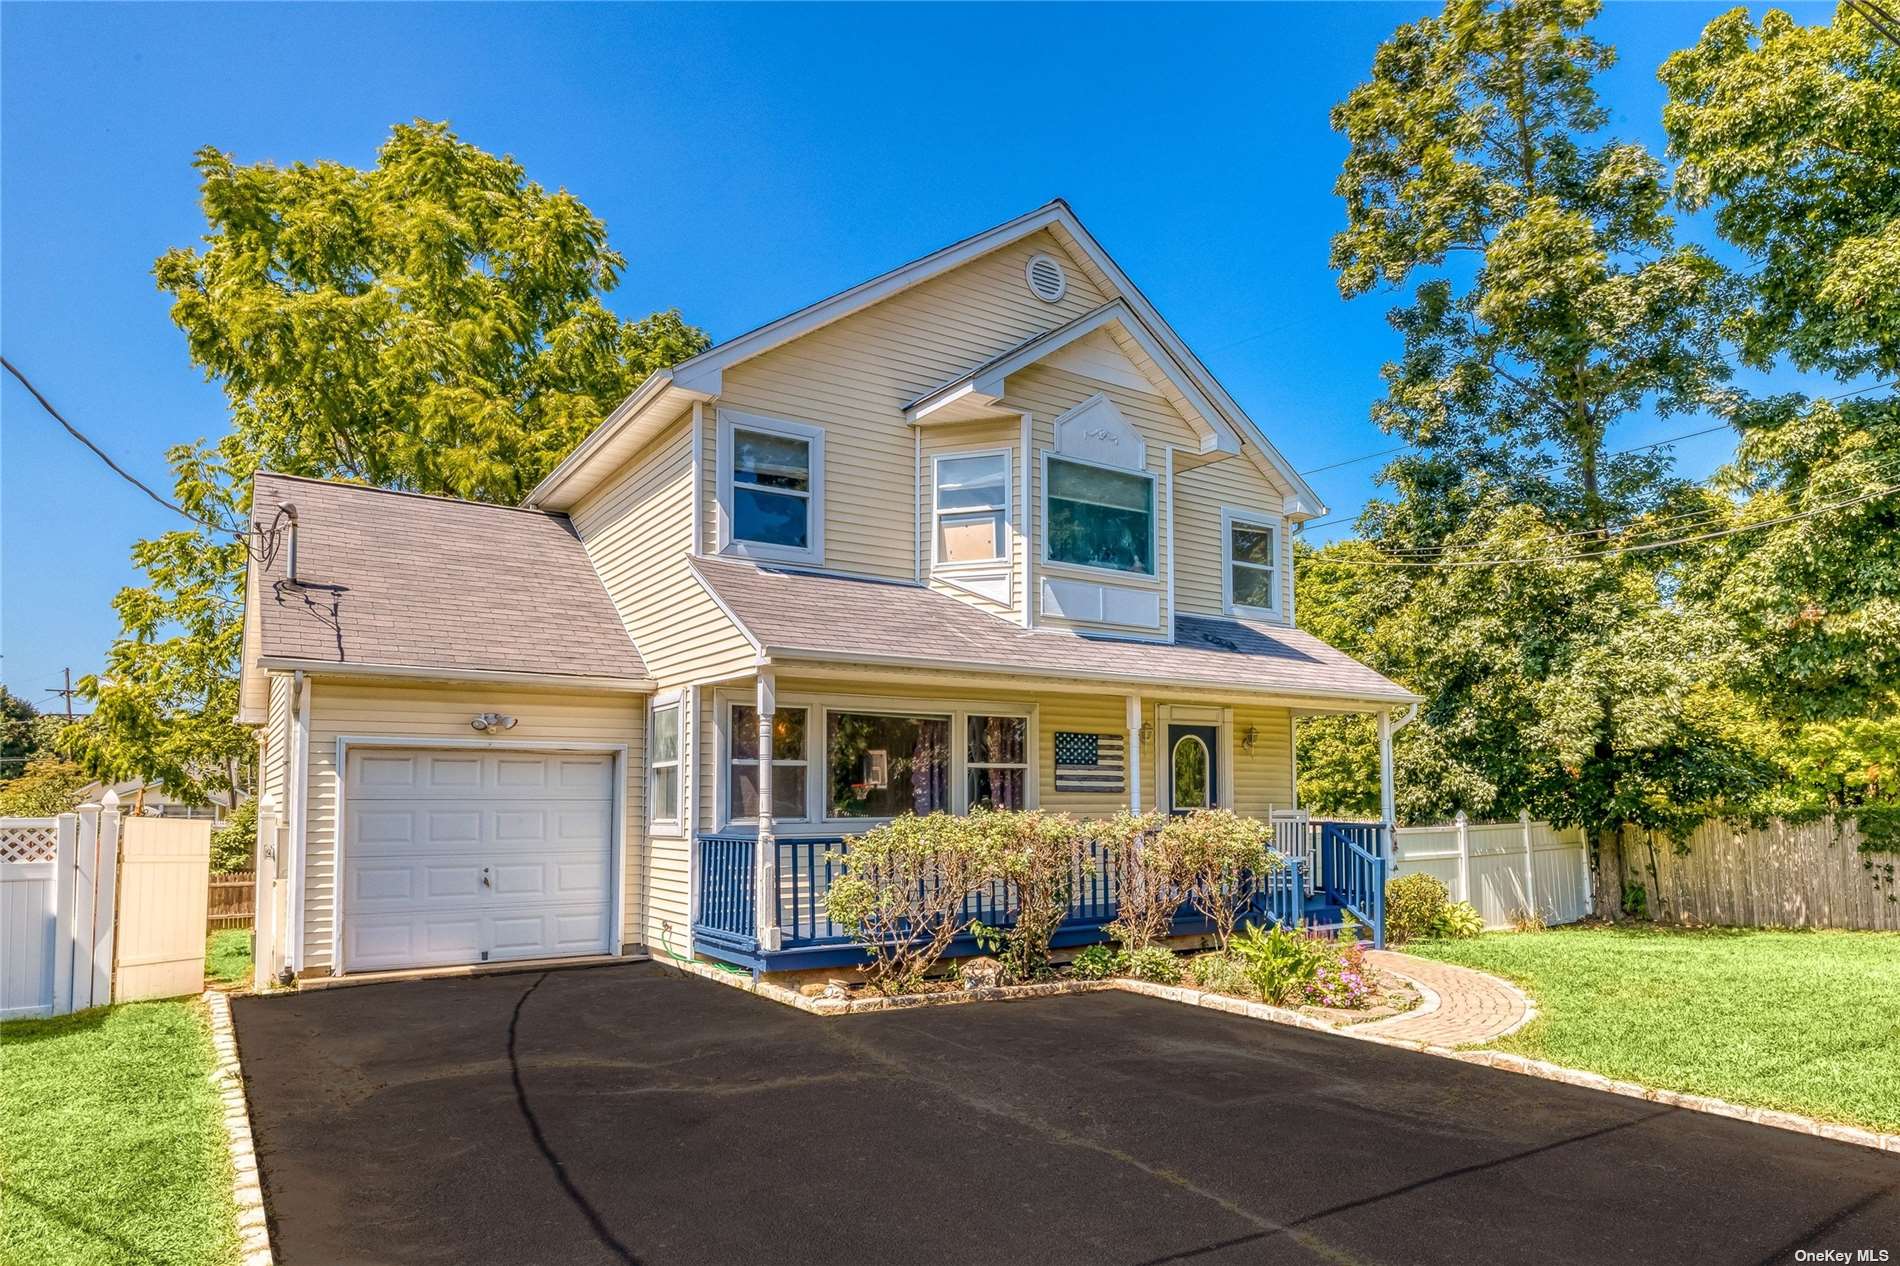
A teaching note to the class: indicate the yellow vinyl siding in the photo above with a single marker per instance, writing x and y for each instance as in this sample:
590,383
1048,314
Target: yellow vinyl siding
339,709
637,530
854,377
1201,492
273,775
1262,778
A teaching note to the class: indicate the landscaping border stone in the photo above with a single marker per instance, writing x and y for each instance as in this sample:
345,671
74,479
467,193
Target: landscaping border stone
253,1225
1187,995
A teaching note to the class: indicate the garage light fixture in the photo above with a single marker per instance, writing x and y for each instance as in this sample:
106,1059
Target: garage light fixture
493,721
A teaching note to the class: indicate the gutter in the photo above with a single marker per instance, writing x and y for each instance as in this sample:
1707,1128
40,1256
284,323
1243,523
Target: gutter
420,672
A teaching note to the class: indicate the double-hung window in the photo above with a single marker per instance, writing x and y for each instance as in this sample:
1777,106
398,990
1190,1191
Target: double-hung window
790,759
771,487
663,784
1097,516
997,763
972,508
1250,549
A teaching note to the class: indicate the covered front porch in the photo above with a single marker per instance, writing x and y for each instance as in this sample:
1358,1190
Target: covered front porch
1331,870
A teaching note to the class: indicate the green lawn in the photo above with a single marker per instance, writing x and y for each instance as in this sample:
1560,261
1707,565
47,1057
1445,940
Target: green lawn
228,958
1806,1022
112,1145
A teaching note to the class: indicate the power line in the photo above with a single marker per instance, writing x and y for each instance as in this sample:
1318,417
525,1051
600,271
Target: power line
1354,461
103,456
1643,548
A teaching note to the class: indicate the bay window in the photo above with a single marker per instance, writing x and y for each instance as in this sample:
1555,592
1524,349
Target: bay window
789,762
972,508
1098,516
1250,545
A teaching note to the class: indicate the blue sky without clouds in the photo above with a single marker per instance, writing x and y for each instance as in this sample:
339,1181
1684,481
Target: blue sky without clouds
747,160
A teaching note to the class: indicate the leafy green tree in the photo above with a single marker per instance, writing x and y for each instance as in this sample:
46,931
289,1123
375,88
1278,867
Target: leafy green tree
23,733
234,843
433,323
1548,295
1790,132
50,786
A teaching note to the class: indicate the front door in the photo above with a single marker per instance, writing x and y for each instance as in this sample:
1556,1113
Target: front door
1193,767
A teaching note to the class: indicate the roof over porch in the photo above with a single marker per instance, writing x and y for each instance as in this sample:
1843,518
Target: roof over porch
804,616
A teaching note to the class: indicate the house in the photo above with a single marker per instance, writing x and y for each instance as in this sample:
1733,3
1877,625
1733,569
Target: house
151,800
980,530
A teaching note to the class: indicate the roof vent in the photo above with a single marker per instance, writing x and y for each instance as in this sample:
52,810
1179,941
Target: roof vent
1047,281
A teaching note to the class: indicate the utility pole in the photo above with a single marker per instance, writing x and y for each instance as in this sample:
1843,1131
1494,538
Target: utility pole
68,692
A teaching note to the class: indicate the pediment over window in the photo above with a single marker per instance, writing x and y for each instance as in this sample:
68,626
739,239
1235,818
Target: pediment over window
1096,431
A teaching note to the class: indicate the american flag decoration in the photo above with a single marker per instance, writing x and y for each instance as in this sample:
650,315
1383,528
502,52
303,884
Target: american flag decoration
1090,762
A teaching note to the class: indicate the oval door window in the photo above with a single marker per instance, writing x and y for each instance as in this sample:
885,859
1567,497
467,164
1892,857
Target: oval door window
1190,772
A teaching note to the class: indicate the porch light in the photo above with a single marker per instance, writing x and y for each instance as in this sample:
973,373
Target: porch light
1248,739
1147,731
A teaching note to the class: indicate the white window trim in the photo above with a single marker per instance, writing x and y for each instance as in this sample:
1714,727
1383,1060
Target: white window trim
815,499
1027,764
669,826
817,787
985,565
1154,513
722,772
1229,516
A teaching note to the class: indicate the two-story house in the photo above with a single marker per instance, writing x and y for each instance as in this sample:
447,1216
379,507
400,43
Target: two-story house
981,530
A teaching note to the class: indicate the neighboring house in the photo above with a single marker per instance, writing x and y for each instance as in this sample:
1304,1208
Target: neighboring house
149,799
980,530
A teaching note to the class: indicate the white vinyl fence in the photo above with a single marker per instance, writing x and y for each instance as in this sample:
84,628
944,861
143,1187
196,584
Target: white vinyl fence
96,907
58,878
1504,869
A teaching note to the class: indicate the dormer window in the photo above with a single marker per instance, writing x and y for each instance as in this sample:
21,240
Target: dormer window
1251,560
771,488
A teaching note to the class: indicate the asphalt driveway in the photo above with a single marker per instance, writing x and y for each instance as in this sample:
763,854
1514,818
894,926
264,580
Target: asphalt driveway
633,1114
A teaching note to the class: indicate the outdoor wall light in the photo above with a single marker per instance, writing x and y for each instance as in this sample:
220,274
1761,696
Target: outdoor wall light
1248,739
1147,731
493,721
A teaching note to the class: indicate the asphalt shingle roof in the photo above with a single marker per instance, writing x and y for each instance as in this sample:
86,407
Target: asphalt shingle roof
394,579
790,613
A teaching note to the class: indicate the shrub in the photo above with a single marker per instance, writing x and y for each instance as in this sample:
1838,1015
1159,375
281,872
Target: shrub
234,845
1279,962
1226,863
1222,973
1149,874
906,888
1458,921
1097,962
1413,904
48,787
1038,855
1155,963
1340,978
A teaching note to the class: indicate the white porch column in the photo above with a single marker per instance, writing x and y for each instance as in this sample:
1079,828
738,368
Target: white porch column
765,888
1134,754
1388,794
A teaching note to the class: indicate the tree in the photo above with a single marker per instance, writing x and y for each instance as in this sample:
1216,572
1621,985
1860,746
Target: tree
50,786
1550,297
24,732
432,323
1791,133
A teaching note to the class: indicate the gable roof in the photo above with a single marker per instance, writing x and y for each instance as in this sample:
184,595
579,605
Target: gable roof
797,615
397,583
668,391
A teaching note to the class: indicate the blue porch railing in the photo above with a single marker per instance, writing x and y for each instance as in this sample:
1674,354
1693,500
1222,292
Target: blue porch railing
1348,857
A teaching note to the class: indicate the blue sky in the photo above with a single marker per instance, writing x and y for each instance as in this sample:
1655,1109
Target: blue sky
747,161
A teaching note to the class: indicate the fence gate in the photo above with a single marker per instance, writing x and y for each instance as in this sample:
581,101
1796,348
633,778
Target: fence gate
1505,869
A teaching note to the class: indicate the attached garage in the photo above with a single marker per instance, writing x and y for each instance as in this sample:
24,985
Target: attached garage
454,855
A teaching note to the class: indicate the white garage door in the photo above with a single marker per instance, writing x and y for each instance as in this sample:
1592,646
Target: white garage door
471,857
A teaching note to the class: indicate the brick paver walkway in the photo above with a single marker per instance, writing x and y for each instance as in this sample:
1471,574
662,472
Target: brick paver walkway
1472,1006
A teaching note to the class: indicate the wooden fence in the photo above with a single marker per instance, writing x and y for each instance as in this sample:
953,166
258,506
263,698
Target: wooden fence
1806,875
232,900
1504,869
